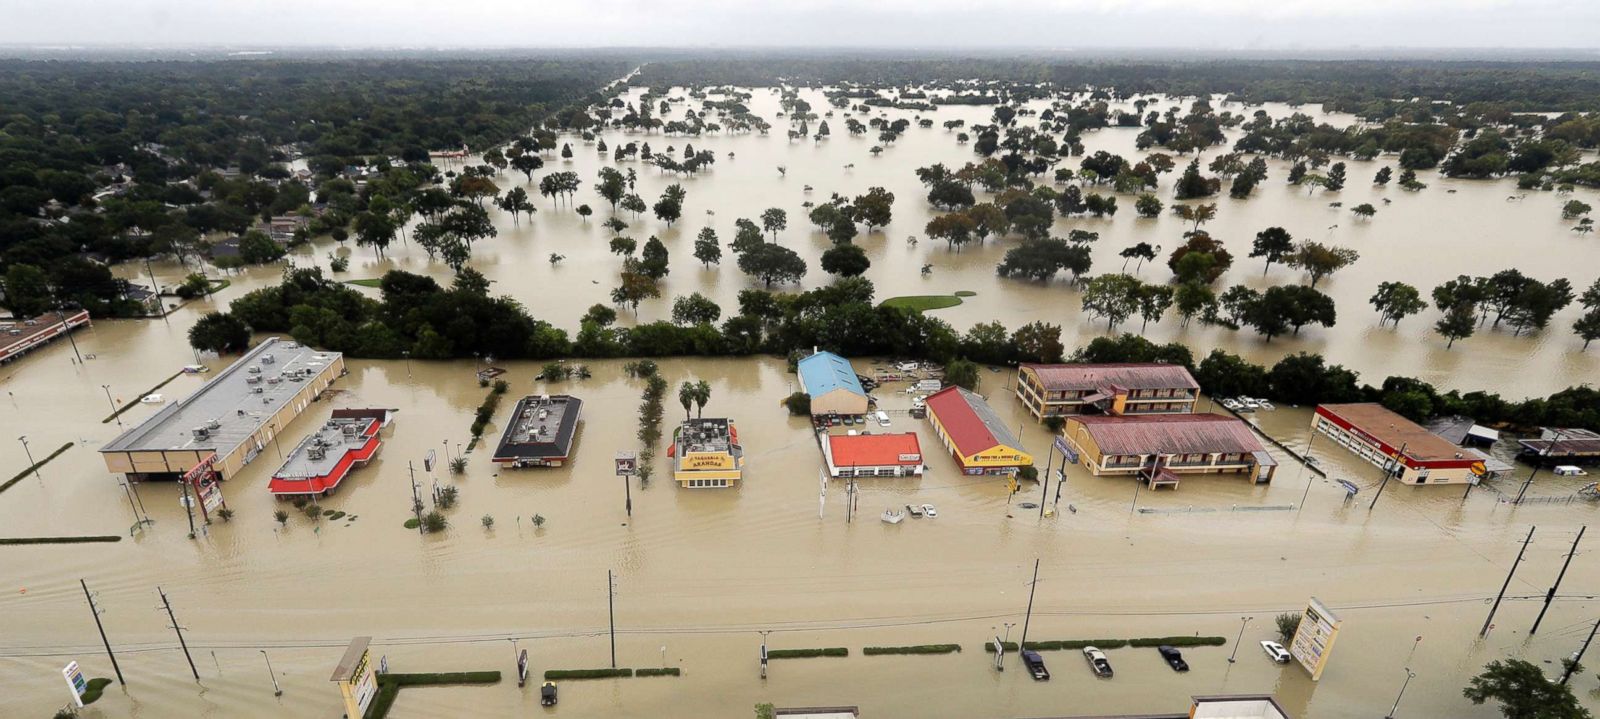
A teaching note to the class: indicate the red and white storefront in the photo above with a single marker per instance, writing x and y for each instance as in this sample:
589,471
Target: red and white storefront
1390,441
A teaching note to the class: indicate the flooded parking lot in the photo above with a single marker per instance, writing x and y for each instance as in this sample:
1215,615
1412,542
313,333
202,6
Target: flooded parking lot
701,573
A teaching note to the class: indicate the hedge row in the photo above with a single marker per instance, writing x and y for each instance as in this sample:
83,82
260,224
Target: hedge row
389,686
1185,641
32,467
807,653
659,672
915,649
553,674
60,540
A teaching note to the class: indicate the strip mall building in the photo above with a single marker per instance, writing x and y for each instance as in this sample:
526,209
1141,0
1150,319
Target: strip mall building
1382,437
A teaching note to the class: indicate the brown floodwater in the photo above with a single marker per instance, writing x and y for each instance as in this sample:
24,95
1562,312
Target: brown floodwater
701,573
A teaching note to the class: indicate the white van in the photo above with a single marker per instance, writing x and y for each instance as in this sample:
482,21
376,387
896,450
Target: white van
1567,470
883,418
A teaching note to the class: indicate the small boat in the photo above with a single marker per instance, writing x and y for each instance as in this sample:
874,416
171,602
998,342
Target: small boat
1230,404
892,517
153,399
1265,405
195,369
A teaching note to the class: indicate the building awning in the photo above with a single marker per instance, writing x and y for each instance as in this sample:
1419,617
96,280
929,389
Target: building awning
1096,397
1264,460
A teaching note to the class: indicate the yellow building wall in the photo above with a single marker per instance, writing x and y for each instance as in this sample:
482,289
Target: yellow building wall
998,456
839,401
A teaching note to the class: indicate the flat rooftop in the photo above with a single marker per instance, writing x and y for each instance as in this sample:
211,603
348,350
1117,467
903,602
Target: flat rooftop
229,401
1393,430
705,435
17,336
541,426
321,451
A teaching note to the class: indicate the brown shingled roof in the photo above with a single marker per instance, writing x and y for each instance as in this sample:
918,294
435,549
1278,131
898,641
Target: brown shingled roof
1169,434
1127,375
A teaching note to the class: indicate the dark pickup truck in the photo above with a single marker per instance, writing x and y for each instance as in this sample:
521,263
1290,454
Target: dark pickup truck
1035,664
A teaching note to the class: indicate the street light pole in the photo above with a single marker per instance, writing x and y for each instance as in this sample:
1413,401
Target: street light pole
1409,676
276,691
113,404
1244,622
1543,456
31,464
1390,469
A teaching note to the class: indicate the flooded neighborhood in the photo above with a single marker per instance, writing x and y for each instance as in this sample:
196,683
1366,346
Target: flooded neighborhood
817,528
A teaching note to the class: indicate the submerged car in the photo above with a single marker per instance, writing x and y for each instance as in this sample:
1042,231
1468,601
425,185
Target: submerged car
547,694
1275,651
1035,665
1173,658
1097,661
930,511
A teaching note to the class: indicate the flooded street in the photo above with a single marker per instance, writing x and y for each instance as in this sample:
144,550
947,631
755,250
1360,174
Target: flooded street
700,573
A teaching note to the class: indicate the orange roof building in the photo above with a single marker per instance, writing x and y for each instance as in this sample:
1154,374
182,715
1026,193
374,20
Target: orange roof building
873,455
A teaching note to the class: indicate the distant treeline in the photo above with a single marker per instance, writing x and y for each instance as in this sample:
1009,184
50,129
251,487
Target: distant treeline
1343,85
418,318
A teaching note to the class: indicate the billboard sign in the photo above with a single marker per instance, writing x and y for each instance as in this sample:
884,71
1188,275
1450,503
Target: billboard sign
428,460
1313,640
627,464
522,667
75,682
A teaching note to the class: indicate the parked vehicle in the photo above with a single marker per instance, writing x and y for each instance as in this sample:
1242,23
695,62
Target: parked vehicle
1035,665
1173,658
1230,403
1098,662
1265,405
1249,405
547,694
883,418
1275,651
1568,470
914,510
930,511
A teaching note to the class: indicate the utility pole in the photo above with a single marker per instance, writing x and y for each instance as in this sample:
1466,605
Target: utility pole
66,329
1029,616
179,630
1543,456
155,289
627,493
1389,470
1550,596
1572,666
1487,622
611,611
97,625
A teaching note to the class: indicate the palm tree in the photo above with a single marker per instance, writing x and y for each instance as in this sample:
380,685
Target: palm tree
702,395
687,393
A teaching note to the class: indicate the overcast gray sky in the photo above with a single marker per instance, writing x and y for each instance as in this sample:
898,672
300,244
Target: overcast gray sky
1214,24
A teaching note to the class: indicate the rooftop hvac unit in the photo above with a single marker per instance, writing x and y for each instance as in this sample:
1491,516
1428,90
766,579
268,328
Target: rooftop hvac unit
213,424
240,411
255,378
350,430
255,370
274,380
200,432
259,390
316,452
268,359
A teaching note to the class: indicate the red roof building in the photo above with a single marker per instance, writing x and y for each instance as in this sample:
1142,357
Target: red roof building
323,459
873,455
1396,444
975,435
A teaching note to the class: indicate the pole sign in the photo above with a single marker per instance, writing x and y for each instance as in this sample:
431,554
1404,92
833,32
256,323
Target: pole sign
1313,640
627,463
75,682
427,461
522,667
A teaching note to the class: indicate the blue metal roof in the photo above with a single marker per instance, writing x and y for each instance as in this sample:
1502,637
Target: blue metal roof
825,372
